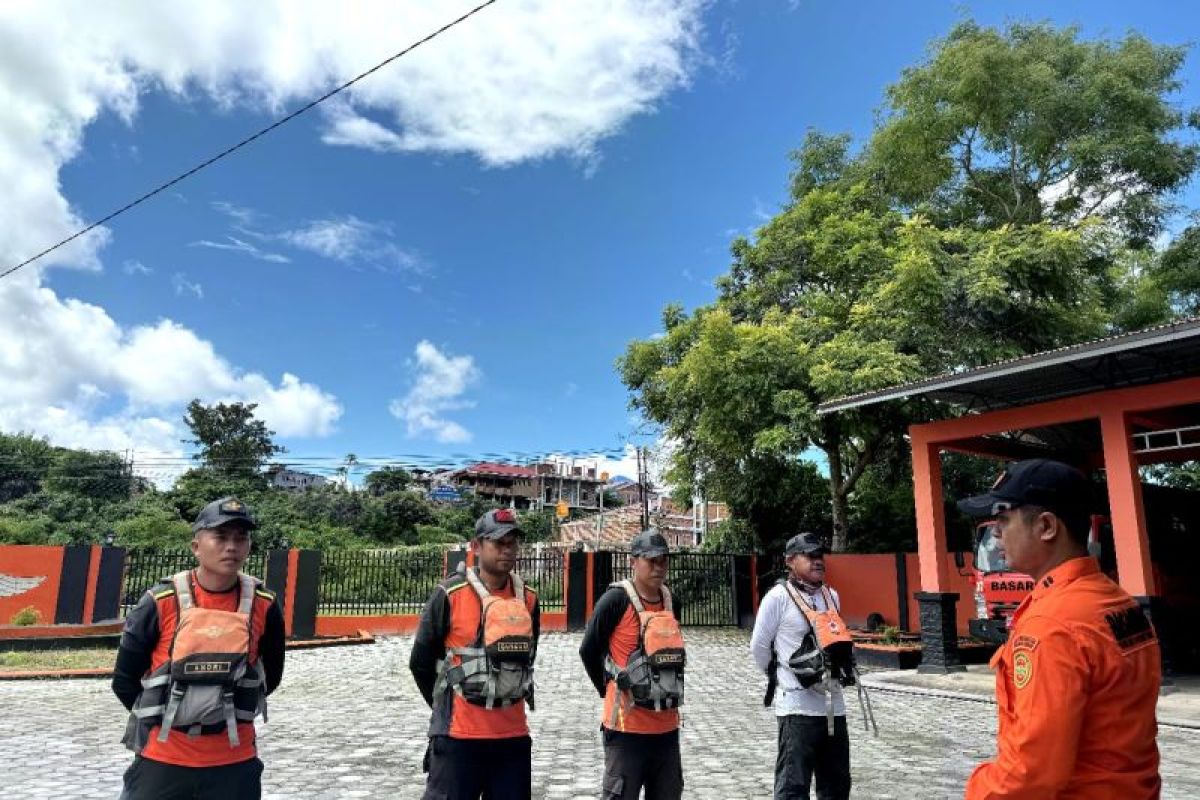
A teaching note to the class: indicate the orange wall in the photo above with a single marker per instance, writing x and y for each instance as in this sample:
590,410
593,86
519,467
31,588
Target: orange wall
865,583
29,561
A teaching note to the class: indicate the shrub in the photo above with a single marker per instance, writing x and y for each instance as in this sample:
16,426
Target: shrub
26,616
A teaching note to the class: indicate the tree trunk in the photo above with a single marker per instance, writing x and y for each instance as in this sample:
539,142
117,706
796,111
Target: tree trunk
833,451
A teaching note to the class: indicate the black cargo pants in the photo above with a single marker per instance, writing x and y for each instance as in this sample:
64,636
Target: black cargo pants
147,779
467,769
806,749
636,760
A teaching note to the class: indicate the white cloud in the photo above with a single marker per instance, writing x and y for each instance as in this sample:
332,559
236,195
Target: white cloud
133,267
526,79
571,389
183,286
62,358
440,382
241,246
350,239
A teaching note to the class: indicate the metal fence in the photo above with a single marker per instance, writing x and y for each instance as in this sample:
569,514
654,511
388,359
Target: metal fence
378,581
543,569
144,568
702,584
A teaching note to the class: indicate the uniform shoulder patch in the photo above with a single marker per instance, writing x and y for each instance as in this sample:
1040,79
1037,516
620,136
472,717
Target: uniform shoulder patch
1022,668
454,587
163,593
531,590
266,594
1025,642
1130,627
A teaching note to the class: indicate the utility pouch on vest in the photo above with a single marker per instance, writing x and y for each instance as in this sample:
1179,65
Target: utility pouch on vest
498,669
208,683
653,675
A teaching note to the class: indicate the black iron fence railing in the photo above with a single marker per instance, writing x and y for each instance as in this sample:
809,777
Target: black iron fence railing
389,582
702,584
544,570
378,581
144,568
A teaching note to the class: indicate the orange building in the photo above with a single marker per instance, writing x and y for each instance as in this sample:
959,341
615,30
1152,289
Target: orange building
1109,407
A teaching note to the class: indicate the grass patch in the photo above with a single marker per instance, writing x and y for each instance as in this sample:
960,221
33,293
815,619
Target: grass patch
51,660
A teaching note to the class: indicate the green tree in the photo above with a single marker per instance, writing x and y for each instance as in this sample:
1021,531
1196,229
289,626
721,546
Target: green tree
231,441
1031,124
104,477
878,272
24,462
394,517
388,479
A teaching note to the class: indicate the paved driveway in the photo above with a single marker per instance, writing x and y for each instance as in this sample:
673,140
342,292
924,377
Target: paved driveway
348,722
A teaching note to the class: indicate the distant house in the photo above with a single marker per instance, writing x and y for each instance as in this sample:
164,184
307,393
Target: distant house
612,530
630,493
294,480
537,486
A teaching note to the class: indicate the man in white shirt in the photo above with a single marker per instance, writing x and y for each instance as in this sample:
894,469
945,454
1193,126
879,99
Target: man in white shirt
783,641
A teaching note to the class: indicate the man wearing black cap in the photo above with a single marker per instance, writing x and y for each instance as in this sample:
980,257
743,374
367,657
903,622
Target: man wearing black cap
212,752
640,721
784,646
472,661
1077,681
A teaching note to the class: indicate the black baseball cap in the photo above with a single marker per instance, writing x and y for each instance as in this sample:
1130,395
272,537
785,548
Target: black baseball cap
1052,485
810,544
497,523
649,544
220,512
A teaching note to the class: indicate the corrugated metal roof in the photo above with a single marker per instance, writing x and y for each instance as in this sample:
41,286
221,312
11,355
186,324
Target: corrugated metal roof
1163,352
504,470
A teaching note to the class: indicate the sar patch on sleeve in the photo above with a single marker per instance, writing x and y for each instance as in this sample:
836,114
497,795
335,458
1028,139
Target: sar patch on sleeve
1025,642
1022,668
1131,628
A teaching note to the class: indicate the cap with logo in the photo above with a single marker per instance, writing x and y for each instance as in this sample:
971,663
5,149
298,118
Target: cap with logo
497,523
810,544
649,544
220,512
1052,485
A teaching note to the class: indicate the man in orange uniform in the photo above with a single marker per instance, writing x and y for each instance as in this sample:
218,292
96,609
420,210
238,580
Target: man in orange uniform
198,756
641,744
1077,682
479,741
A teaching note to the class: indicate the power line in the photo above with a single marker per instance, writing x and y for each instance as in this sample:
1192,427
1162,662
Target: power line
232,149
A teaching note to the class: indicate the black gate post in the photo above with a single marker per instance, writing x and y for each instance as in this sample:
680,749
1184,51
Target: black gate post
577,599
276,578
308,586
453,559
602,573
743,588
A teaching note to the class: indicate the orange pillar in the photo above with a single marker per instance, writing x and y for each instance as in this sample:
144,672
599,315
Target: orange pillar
931,514
89,597
1130,540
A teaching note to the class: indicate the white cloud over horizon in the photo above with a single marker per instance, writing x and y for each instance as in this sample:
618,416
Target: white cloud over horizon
439,383
525,80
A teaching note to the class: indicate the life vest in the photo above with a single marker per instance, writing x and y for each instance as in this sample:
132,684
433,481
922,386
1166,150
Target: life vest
208,683
825,657
653,674
497,669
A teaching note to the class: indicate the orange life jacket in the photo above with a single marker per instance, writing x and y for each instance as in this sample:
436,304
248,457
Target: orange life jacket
209,683
653,675
497,669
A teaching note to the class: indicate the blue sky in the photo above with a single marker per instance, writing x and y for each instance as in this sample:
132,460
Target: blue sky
465,291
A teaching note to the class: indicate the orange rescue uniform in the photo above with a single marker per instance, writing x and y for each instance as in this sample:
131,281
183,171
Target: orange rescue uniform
1076,689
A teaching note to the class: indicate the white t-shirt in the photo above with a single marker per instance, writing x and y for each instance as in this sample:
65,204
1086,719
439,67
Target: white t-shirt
780,620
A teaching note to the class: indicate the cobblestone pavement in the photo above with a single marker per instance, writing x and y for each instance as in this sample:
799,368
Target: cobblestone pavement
348,722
